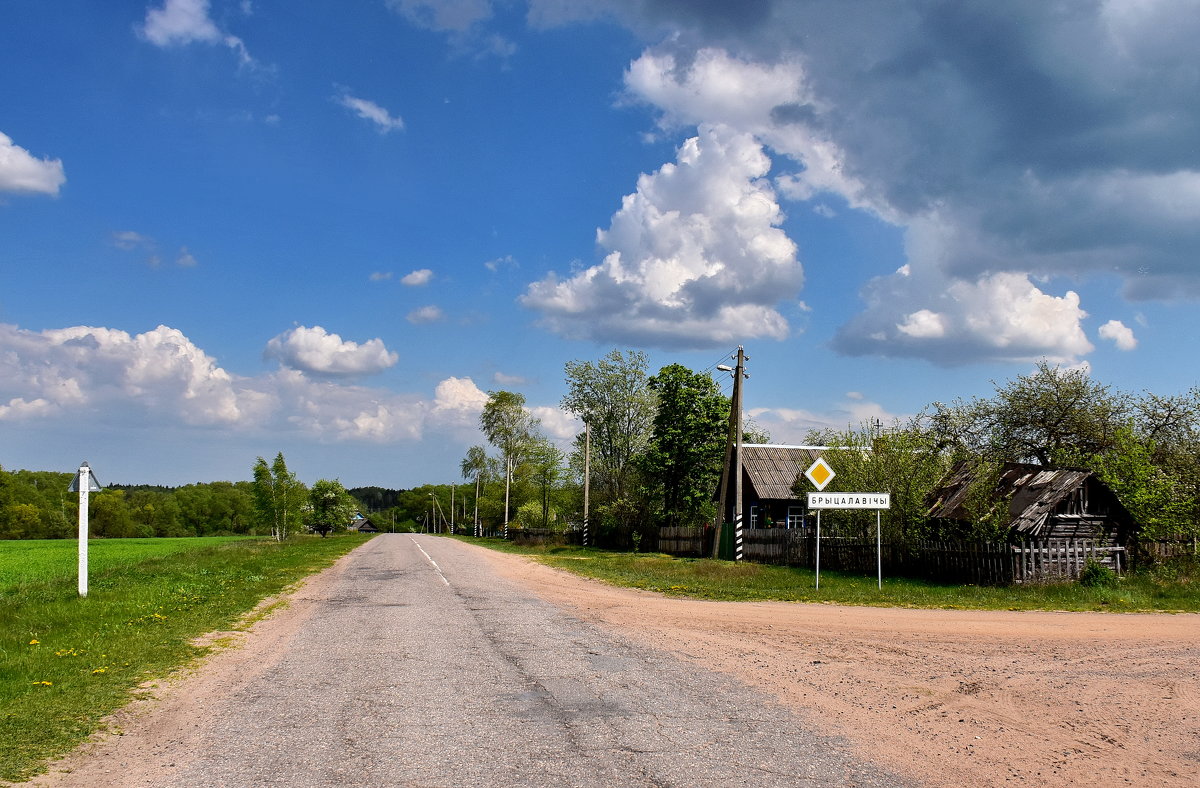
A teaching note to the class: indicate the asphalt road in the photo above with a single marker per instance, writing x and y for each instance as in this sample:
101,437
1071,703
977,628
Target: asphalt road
421,667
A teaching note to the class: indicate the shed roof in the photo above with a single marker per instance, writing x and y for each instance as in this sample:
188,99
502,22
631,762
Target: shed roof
773,469
1033,493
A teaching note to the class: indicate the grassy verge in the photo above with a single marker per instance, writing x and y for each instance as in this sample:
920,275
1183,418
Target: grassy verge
66,662
1175,590
34,560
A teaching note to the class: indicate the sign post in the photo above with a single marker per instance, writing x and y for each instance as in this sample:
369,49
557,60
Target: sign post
876,501
84,483
820,474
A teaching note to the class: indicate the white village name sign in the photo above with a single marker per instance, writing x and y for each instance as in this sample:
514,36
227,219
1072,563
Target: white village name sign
820,474
823,500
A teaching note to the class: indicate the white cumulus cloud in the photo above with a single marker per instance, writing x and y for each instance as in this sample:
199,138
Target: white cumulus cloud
182,22
159,374
112,380
421,276
317,351
425,314
695,256
1002,316
22,172
1119,334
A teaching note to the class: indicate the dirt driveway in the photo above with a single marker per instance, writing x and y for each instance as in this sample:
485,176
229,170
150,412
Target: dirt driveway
953,698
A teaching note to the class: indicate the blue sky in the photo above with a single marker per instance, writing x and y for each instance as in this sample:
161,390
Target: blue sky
229,229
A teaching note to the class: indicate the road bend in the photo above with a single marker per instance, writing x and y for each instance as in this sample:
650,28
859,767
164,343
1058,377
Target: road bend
419,666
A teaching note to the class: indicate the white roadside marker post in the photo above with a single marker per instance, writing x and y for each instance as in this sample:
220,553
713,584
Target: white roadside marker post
84,483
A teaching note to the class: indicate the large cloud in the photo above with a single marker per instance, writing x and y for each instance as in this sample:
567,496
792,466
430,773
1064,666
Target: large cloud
21,171
695,257
1025,139
316,351
160,379
85,368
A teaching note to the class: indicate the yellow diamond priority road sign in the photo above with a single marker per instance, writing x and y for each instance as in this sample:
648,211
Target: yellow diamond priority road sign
820,474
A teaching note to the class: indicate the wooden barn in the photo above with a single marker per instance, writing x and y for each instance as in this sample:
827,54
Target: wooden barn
1043,502
769,473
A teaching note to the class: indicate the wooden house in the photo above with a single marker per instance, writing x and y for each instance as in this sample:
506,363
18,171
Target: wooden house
362,524
1043,502
769,472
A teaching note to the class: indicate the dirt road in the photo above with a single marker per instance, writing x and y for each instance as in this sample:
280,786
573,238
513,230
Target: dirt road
951,698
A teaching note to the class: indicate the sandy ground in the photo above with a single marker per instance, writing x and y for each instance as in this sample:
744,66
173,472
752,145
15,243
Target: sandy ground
950,698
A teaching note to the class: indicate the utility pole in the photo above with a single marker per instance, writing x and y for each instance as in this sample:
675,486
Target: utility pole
734,452
507,480
587,476
738,524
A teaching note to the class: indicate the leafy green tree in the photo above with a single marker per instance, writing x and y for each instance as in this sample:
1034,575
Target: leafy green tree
1036,417
18,520
545,470
474,466
905,460
278,497
682,463
509,427
110,516
331,507
1156,498
613,396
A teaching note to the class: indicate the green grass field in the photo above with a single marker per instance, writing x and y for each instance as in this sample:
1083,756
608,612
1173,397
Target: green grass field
66,661
1174,589
47,560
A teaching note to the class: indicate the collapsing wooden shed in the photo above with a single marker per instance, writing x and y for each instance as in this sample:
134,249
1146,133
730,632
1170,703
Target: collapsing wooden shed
1043,502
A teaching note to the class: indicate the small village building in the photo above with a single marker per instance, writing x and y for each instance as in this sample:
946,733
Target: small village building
769,474
1043,502
362,524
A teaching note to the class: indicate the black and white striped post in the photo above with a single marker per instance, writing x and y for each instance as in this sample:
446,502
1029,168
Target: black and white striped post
587,477
739,372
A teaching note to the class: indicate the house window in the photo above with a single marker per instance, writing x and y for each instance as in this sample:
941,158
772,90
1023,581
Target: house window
795,517
753,516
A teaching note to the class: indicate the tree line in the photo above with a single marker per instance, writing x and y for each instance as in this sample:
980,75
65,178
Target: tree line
37,505
657,446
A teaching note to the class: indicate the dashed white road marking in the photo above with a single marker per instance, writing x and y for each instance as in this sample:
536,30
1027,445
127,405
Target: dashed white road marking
437,568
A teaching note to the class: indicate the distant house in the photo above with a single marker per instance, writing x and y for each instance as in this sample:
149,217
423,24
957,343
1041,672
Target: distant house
1043,502
361,524
769,472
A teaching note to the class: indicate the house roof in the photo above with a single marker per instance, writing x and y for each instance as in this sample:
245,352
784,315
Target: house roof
1033,492
773,469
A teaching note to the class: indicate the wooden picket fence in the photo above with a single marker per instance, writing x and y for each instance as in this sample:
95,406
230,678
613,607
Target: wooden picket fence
1157,551
1062,560
979,563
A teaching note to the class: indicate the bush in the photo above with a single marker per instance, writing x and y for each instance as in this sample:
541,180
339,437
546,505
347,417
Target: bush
1097,575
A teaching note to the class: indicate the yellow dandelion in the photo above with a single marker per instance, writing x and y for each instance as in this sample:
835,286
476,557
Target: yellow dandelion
43,683
33,642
